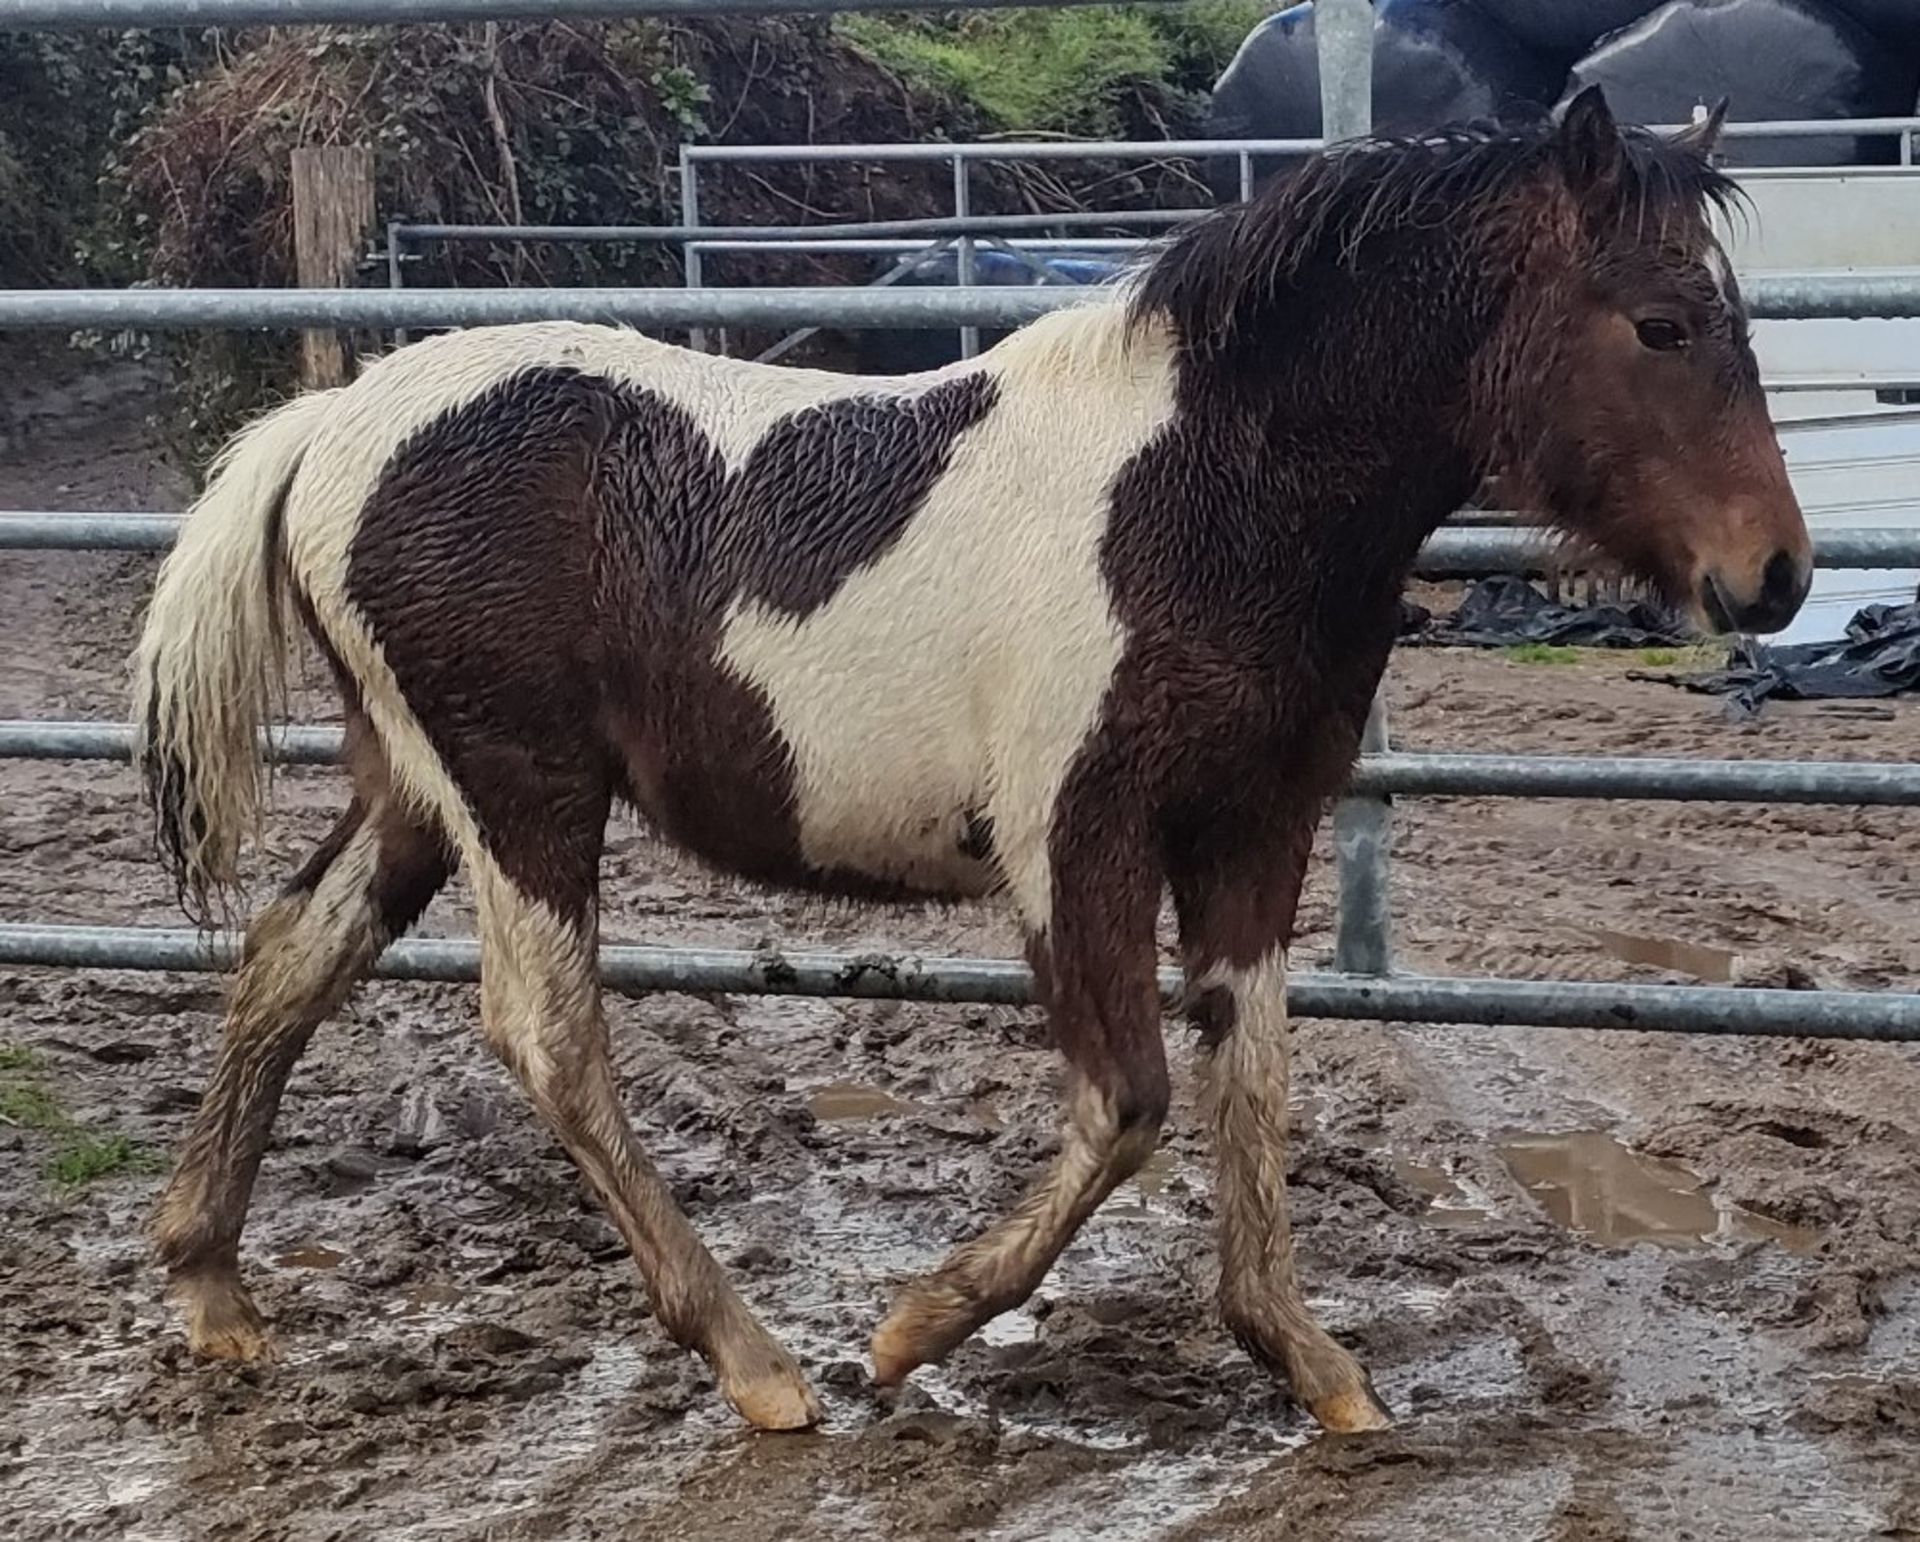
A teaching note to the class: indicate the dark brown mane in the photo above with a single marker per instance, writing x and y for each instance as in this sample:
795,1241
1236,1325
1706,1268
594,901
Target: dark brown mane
1215,278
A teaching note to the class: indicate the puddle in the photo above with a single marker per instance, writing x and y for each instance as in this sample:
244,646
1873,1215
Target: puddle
425,1300
841,1102
1151,1190
1851,1381
1159,1493
1157,1174
1009,1328
1447,1202
1712,966
311,1258
1591,1183
989,1116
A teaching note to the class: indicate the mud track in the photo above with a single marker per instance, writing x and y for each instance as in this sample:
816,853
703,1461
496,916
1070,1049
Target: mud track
1615,1285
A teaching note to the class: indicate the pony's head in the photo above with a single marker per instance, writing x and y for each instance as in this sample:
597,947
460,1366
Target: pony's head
1619,396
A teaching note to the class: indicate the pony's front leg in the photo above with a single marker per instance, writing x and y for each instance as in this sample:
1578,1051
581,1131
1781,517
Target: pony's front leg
1095,963
1235,937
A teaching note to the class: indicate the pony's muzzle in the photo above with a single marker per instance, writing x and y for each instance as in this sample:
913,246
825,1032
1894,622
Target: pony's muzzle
1765,605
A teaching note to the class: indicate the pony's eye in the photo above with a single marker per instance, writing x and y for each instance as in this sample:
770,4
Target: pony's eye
1661,335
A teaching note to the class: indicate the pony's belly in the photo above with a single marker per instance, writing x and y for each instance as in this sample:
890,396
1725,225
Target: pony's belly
887,759
851,814
921,837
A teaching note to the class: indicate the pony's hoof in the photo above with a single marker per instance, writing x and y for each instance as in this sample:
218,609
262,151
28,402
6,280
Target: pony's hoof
222,1321
1356,1411
918,1331
931,1317
895,1357
780,1401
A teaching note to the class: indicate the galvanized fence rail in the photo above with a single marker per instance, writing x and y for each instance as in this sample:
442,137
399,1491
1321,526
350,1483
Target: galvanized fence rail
1883,294
1363,989
1003,982
1463,551
1386,774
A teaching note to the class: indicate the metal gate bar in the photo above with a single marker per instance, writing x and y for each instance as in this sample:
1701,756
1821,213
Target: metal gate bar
1460,551
1884,294
1867,784
1004,982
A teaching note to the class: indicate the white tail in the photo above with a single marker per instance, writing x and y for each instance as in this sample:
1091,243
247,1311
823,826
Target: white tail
211,661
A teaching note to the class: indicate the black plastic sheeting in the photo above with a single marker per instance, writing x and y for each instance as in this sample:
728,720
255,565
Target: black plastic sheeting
1565,29
1442,61
1880,657
883,352
1896,21
1773,59
1504,611
1434,62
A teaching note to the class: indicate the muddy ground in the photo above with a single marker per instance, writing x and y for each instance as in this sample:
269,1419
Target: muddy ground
1615,1285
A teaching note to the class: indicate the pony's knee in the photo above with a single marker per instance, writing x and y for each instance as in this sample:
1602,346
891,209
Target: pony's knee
539,994
1122,1120
273,926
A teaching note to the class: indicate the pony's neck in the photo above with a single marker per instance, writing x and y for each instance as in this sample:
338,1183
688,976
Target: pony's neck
1358,383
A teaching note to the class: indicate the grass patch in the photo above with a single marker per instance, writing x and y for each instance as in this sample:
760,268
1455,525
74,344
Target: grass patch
78,1155
1541,653
1697,656
17,1057
82,1159
1065,71
30,1107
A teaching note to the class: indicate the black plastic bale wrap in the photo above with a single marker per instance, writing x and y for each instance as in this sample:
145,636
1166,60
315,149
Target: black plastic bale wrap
1772,59
881,351
1566,29
1894,21
1434,62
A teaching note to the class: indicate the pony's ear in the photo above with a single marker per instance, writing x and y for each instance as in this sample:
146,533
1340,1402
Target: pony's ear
1703,134
1591,151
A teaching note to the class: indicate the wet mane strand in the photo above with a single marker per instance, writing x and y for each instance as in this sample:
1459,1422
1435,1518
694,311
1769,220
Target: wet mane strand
1213,279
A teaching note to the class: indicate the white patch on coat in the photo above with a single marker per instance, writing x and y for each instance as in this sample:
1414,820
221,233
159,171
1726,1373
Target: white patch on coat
539,981
1246,1077
963,670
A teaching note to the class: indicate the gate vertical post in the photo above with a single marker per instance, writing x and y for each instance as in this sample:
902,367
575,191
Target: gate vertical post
964,272
332,216
691,260
1362,826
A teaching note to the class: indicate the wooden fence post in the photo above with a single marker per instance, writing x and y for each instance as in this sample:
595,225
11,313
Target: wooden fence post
332,217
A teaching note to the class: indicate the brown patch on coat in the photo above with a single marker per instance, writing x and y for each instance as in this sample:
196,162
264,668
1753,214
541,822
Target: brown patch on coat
547,571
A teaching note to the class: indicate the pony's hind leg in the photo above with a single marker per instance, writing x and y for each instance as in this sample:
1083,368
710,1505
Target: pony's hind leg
540,1003
1096,965
364,886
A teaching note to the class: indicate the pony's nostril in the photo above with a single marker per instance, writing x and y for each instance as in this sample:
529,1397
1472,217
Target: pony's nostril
1783,584
1713,601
